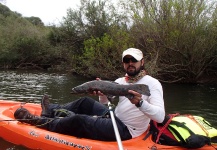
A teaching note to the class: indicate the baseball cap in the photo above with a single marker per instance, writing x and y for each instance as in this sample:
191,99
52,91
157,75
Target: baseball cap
136,53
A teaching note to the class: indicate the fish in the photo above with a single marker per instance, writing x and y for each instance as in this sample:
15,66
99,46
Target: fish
110,88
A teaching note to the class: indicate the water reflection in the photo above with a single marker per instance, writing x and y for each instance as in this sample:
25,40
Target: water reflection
31,86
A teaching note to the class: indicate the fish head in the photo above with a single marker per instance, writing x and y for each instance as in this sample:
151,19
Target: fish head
83,88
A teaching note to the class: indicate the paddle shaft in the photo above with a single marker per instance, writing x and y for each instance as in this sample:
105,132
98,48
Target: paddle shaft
117,135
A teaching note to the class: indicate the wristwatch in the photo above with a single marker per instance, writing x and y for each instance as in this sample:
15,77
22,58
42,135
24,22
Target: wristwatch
139,104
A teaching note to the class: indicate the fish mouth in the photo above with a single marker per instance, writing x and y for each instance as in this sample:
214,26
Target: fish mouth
73,91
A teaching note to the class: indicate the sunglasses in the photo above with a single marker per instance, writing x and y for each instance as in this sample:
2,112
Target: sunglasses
127,60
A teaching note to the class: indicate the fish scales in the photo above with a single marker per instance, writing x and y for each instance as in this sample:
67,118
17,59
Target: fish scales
110,88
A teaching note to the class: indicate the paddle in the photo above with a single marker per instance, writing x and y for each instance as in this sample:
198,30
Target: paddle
117,135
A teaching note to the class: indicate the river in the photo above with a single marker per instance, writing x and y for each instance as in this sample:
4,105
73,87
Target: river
30,86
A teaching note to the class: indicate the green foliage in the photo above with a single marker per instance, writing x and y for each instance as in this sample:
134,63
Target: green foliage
178,38
5,11
104,52
96,33
35,21
92,19
22,43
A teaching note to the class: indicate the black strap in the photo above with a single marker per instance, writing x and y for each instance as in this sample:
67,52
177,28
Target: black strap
177,134
181,124
147,135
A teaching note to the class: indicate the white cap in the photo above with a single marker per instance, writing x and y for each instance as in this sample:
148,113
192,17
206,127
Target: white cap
136,53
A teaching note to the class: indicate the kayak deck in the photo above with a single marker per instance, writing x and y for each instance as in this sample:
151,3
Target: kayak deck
35,138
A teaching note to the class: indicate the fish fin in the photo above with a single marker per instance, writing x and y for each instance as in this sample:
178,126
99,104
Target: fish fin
110,81
111,98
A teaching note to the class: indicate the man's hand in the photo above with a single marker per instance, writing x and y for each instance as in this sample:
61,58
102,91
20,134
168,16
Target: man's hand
137,97
97,93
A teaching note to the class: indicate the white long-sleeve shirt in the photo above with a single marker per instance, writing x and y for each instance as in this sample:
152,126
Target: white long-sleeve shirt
137,119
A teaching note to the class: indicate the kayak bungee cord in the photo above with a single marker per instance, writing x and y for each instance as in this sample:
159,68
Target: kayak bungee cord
25,119
50,119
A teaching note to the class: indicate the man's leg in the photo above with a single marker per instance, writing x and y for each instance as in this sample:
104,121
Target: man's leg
85,126
83,105
78,125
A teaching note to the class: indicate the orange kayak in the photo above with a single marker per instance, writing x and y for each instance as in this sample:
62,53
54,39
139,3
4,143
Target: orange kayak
36,138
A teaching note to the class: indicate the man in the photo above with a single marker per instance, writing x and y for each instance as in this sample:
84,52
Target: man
85,117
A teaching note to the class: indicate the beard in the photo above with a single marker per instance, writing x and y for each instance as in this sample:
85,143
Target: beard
132,71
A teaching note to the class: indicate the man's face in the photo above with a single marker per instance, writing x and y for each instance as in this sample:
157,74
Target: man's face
132,66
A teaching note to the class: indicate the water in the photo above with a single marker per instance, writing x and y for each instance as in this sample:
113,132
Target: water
196,99
30,86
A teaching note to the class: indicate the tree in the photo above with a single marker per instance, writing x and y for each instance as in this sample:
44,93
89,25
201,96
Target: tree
177,36
35,21
92,32
4,10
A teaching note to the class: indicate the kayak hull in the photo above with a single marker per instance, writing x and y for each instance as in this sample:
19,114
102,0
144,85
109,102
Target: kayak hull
35,138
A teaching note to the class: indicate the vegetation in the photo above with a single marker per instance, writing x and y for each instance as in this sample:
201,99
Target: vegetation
178,38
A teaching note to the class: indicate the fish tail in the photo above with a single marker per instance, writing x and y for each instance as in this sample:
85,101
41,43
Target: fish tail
145,90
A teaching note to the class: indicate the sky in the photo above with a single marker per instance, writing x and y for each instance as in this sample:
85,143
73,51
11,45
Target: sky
49,11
